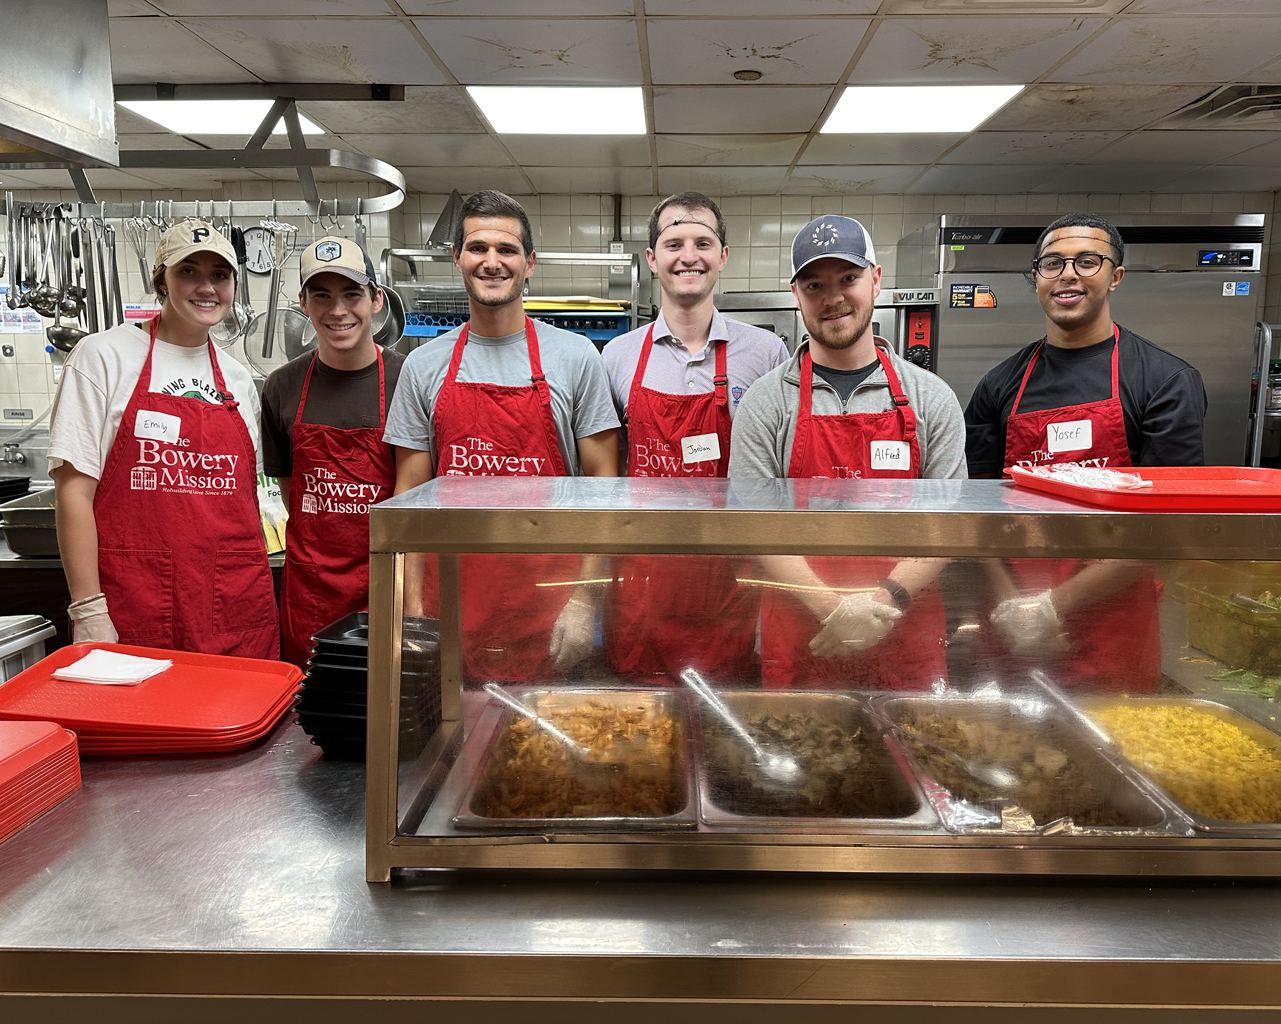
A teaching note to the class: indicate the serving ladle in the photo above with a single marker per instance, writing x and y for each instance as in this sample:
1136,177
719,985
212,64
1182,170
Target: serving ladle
582,758
776,767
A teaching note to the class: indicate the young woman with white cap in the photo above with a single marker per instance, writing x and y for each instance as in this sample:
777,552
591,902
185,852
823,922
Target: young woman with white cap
154,453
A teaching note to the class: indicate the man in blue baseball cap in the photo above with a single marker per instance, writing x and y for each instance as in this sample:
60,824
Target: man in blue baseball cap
846,406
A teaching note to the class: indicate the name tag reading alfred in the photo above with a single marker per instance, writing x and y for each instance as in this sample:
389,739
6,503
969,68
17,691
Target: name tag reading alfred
891,455
701,448
1071,436
159,426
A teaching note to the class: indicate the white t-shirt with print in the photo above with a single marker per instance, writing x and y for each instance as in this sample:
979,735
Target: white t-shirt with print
98,380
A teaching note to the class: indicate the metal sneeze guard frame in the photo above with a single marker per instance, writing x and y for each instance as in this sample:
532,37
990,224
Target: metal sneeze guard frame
903,518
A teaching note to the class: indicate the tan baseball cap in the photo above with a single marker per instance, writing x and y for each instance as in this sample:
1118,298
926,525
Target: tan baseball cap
334,255
192,236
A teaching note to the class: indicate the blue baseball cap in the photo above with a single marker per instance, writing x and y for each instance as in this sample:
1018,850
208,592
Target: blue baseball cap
841,237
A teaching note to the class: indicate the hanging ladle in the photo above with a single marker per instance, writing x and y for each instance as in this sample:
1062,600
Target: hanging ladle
779,768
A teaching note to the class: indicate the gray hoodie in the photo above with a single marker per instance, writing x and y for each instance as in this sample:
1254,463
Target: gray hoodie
761,442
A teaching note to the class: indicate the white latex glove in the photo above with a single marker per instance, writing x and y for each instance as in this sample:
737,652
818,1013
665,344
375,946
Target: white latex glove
90,621
573,633
1030,625
860,621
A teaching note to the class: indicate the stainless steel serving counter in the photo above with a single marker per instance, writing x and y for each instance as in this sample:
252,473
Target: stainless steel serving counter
168,887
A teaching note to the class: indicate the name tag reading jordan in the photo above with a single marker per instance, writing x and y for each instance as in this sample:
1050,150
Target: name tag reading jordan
701,448
891,455
159,426
1070,436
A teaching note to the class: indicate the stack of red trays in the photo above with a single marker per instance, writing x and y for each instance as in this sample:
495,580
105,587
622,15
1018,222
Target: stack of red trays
204,703
39,767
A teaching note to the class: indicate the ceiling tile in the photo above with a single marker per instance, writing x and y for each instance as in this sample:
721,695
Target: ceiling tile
1098,107
1174,50
1199,7
424,109
728,150
632,181
1012,8
158,50
1224,178
684,52
159,140
465,179
430,150
737,109
1182,146
872,178
1266,153
936,51
130,9
533,8
877,149
767,8
562,51
1099,177
720,181
993,178
321,50
276,8
1030,147
579,150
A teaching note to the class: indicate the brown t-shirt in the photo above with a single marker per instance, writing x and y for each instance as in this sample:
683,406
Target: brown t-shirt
337,398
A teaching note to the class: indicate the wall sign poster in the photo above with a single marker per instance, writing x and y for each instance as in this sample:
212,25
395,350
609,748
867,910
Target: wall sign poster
972,296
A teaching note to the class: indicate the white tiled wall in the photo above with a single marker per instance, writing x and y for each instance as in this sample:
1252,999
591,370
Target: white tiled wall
760,228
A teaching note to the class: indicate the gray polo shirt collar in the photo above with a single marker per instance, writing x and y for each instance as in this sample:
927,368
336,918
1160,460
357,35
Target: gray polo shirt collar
877,377
718,332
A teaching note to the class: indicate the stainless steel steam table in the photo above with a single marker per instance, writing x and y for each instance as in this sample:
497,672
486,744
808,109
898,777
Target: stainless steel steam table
169,887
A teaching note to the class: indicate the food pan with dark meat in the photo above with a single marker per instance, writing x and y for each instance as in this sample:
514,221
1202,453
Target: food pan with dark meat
848,772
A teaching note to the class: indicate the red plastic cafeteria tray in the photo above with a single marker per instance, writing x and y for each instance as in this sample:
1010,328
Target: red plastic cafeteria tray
201,693
1174,489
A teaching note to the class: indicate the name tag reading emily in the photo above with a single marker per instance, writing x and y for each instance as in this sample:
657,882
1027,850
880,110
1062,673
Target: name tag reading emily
159,426
891,455
1071,436
701,448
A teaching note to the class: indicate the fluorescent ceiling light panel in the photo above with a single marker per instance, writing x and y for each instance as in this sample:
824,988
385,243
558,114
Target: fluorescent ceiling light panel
561,110
868,110
213,117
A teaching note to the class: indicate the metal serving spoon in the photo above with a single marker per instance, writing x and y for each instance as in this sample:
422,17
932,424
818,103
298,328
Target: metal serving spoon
582,758
777,767
989,774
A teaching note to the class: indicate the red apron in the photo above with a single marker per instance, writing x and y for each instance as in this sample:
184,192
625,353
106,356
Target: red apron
510,602
181,555
1115,644
841,446
337,475
667,612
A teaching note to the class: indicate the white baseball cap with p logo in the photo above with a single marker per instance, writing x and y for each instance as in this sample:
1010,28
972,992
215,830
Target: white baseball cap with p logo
189,237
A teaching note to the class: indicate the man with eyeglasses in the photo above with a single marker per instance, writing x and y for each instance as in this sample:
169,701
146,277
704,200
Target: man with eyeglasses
1095,393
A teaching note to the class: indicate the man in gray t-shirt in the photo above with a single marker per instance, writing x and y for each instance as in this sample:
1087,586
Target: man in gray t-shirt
498,399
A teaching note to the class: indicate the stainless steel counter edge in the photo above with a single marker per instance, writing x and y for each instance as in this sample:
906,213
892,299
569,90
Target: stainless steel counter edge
953,981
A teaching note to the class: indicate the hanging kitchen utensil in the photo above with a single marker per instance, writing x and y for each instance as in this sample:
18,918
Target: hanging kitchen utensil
117,301
11,241
240,316
136,231
91,287
44,296
389,322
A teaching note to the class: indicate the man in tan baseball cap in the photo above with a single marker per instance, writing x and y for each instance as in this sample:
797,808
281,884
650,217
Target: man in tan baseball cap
318,407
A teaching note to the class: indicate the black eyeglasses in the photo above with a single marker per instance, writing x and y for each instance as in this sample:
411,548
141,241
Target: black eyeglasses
1087,264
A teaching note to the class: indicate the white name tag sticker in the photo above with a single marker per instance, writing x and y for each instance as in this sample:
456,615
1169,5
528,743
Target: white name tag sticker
891,455
159,426
1070,436
700,448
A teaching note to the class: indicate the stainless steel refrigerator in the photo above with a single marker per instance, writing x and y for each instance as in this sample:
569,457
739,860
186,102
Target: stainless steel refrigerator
1192,285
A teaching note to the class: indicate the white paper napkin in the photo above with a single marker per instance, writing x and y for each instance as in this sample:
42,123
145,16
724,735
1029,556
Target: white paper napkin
110,668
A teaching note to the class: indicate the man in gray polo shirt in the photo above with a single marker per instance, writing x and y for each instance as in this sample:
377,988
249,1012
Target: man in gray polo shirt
676,384
845,406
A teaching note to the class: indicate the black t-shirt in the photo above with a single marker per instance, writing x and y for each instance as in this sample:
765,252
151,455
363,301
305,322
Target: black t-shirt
1162,398
845,381
336,398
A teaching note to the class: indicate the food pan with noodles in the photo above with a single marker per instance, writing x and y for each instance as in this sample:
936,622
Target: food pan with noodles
1019,764
1220,768
638,777
848,778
